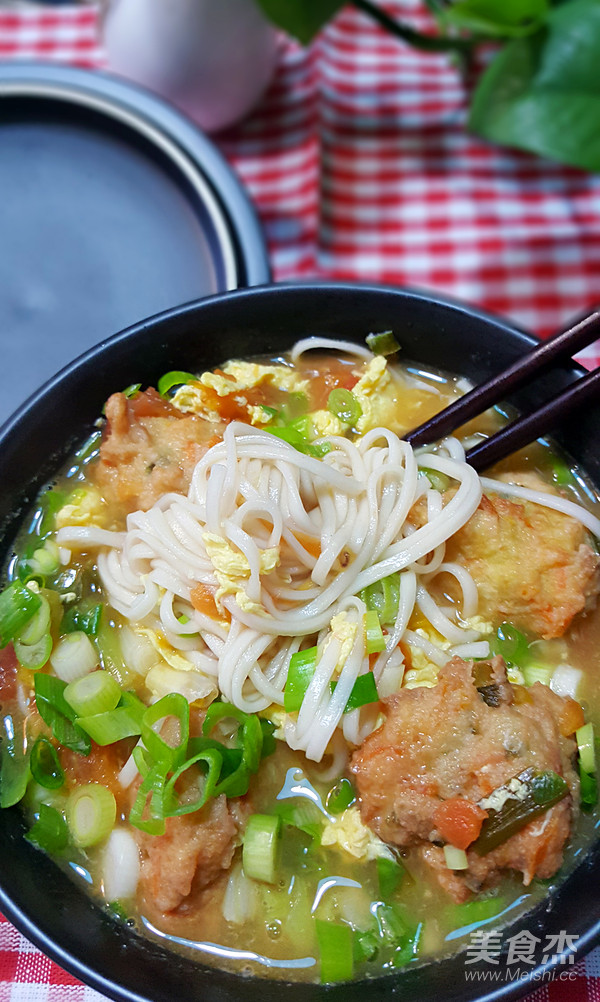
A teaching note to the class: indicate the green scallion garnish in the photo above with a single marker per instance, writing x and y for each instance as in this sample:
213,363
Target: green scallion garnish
91,814
261,847
18,605
173,379
301,670
50,831
45,765
344,405
383,343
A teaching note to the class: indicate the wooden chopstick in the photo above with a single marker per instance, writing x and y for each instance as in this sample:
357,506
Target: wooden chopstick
477,400
526,429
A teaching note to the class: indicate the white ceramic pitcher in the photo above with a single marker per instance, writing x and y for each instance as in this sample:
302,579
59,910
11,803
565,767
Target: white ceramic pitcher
213,59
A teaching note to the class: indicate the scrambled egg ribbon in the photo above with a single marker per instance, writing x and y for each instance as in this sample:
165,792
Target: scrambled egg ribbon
348,833
239,376
84,506
232,570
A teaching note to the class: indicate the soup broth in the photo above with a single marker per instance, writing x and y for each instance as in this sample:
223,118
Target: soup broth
221,558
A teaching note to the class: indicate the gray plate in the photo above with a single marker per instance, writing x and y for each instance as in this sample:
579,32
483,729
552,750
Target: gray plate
114,207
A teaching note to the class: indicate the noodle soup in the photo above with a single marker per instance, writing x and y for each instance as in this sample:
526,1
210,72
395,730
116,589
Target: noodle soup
291,697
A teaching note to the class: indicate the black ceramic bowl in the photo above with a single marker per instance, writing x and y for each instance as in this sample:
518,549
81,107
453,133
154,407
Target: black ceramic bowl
35,895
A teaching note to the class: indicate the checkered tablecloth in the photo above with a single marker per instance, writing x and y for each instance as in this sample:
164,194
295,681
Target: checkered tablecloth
360,168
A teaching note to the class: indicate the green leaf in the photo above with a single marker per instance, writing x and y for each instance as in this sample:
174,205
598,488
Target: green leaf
542,93
301,18
497,18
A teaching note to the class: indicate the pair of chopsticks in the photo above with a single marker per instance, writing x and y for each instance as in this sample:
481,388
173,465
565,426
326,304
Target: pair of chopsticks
531,426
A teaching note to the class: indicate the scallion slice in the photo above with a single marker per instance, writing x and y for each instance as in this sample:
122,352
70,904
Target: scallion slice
364,691
261,847
91,814
374,639
18,605
537,673
588,788
49,832
173,705
38,625
383,597
34,656
114,725
58,714
344,405
586,747
74,656
84,620
390,874
93,694
383,343
456,859
174,806
45,765
14,770
340,796
301,670
172,379
336,949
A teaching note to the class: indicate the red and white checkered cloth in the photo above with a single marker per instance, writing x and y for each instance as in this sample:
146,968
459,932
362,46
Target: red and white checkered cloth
359,166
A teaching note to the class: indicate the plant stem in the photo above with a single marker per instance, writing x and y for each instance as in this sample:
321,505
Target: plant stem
427,43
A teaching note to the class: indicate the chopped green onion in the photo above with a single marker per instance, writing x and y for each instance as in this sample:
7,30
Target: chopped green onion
374,639
340,796
439,481
114,725
562,474
335,941
511,644
366,946
91,814
45,560
174,378
537,673
58,714
77,619
34,656
173,705
51,503
18,605
383,597
14,770
148,811
344,405
471,912
296,436
93,694
38,625
132,390
364,691
383,343
301,670
588,788
49,832
271,412
260,852
586,747
303,815
213,760
74,656
45,765
390,874
456,859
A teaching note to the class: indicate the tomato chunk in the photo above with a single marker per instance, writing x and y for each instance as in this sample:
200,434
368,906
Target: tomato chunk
459,821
